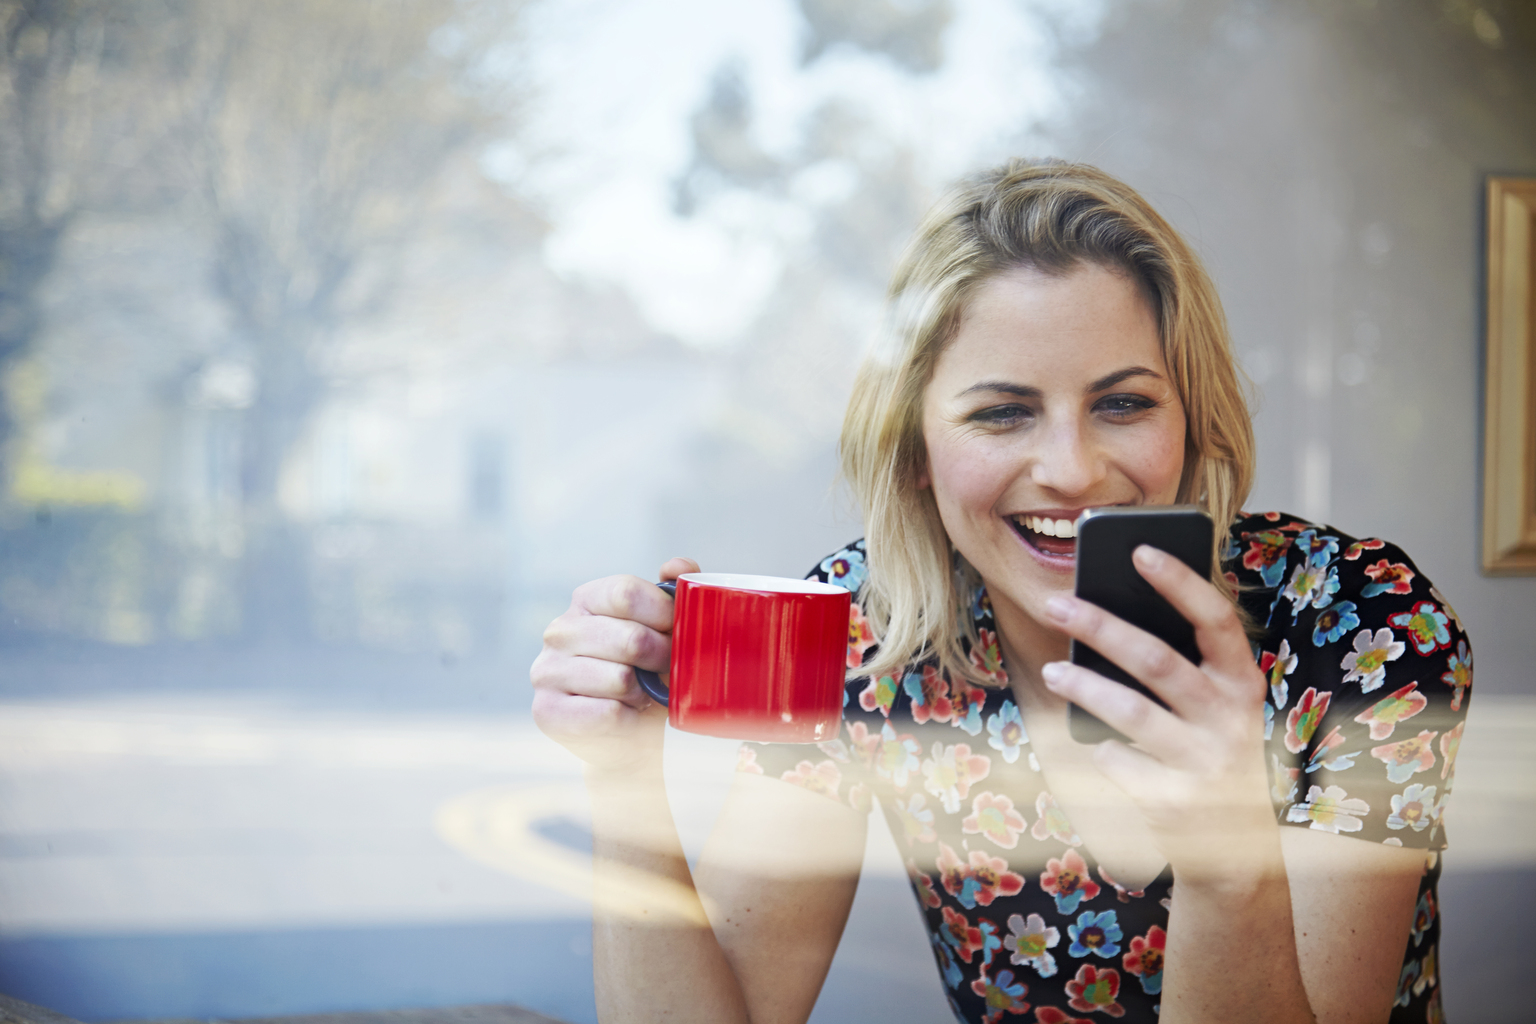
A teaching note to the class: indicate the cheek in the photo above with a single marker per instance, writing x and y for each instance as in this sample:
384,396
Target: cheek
1159,464
963,478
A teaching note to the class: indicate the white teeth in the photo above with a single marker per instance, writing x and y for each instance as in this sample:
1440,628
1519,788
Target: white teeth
1051,527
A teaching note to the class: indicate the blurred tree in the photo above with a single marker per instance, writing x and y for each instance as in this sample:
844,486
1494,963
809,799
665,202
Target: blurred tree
93,114
325,120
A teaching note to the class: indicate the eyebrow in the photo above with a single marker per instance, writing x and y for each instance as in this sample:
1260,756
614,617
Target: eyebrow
1104,383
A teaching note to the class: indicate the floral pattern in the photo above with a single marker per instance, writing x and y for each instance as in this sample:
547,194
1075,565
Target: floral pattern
1368,673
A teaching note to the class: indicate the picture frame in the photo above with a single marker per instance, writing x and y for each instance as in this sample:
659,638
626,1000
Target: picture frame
1509,435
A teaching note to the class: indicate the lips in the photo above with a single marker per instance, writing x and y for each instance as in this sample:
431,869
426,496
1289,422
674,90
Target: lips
1049,534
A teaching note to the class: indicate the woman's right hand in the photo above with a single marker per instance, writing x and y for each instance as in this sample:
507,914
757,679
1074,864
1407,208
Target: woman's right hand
585,694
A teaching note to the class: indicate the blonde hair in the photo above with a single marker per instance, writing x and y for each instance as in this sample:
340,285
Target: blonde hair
1051,216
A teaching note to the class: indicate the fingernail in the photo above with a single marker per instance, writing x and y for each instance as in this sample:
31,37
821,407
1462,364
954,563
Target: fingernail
1053,671
1059,608
1149,557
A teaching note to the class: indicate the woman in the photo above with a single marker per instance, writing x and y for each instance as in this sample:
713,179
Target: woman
1054,346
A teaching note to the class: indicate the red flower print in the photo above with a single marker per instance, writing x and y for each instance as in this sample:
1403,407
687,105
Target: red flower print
860,636
1304,719
1425,626
994,817
931,702
1052,822
823,778
1354,551
953,872
746,760
1388,578
1067,879
965,698
1399,706
1094,990
987,656
1264,549
922,882
993,879
950,771
879,694
963,937
1407,757
1051,1015
1145,960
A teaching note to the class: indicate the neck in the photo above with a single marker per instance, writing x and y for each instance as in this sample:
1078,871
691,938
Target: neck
1027,645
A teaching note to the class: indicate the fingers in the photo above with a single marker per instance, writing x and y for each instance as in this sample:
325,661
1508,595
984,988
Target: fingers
1217,629
1158,666
611,639
626,597
675,567
1120,707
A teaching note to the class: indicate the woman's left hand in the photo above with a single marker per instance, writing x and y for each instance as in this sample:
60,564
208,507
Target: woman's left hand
1197,771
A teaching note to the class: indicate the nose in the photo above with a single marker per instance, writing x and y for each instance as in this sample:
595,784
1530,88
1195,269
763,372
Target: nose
1067,460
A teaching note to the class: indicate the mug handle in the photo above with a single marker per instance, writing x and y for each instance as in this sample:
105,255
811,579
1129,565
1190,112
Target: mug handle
650,681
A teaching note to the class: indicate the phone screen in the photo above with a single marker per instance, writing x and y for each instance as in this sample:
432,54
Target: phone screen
1107,577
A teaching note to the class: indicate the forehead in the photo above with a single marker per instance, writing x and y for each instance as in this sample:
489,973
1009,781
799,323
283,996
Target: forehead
1035,328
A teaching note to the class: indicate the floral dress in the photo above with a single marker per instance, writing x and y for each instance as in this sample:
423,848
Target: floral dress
1368,670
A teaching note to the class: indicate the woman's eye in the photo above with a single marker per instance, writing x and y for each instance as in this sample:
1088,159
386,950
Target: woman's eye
1123,406
1002,415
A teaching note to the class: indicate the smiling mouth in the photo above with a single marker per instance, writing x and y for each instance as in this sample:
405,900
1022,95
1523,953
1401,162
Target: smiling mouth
1055,537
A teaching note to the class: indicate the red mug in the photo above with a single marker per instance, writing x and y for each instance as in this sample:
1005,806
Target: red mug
755,657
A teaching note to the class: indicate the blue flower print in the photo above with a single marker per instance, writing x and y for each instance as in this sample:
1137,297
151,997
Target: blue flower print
981,604
1333,623
1098,934
1319,548
1006,731
1230,549
846,569
991,942
947,966
1269,716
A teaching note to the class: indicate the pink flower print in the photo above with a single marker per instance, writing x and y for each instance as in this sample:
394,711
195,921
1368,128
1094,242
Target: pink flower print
1413,808
898,756
860,636
1368,661
863,745
1283,781
993,879
1359,547
955,875
859,797
987,656
929,691
1029,942
1459,676
1388,578
1094,989
1266,555
1324,756
836,749
1052,1015
1449,744
1406,757
1330,810
1399,706
879,694
964,938
1002,995
1052,822
916,820
966,700
1145,960
823,778
948,774
922,884
1425,626
1067,879
994,817
746,760
1122,894
1304,719
1275,668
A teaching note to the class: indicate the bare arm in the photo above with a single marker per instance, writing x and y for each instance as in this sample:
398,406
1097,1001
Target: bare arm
777,877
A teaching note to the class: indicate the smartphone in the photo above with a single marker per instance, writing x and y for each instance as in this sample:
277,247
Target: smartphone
1107,577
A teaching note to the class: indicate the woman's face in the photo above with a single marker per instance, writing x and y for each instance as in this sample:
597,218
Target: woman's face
1051,398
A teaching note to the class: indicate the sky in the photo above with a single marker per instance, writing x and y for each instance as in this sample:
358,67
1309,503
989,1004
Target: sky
607,134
